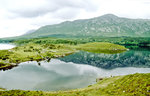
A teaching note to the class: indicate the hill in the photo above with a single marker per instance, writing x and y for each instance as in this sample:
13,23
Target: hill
107,25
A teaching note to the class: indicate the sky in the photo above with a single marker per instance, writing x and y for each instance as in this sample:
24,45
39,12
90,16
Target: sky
19,16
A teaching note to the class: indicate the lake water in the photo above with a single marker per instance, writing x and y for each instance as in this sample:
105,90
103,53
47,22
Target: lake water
74,71
6,46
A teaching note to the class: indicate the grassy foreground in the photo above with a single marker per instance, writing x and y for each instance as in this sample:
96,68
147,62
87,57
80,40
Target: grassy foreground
129,85
38,52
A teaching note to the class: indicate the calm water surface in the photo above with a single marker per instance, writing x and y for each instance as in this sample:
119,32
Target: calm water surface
74,71
6,46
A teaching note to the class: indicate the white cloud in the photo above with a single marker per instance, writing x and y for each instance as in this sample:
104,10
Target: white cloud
33,8
19,16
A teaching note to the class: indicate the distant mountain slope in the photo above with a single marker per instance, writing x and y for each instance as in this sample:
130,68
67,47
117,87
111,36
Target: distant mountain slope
107,25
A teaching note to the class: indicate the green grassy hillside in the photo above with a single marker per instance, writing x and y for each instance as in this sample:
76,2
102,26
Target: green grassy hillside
130,85
105,26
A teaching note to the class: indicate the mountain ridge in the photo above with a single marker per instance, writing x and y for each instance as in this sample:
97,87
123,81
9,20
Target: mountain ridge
107,25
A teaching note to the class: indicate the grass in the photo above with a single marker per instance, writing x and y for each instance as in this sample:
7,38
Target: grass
102,47
2,89
135,85
129,85
33,52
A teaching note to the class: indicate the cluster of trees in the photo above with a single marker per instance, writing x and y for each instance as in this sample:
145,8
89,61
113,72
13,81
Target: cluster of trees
129,42
47,41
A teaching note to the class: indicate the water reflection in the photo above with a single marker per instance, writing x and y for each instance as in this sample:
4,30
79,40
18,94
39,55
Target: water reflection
74,71
57,75
130,58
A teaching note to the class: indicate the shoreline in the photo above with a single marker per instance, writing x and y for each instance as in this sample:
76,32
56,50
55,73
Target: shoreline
116,85
38,52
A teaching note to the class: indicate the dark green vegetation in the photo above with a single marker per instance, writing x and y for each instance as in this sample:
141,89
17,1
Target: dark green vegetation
130,85
105,26
128,42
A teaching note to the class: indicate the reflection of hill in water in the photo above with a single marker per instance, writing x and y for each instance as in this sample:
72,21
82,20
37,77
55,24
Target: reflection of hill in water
108,61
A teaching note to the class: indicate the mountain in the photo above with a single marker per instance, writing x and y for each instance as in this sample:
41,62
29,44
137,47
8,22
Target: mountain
107,25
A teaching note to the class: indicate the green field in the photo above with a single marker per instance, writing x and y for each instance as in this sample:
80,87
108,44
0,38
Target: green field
101,47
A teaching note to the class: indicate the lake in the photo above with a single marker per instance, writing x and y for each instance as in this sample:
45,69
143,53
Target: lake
74,71
6,46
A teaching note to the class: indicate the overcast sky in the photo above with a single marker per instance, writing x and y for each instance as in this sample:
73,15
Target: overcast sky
20,16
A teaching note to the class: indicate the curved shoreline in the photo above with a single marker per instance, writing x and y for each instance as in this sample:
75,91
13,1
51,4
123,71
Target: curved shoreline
37,52
117,86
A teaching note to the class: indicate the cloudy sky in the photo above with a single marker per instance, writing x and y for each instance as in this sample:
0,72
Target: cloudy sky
20,16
